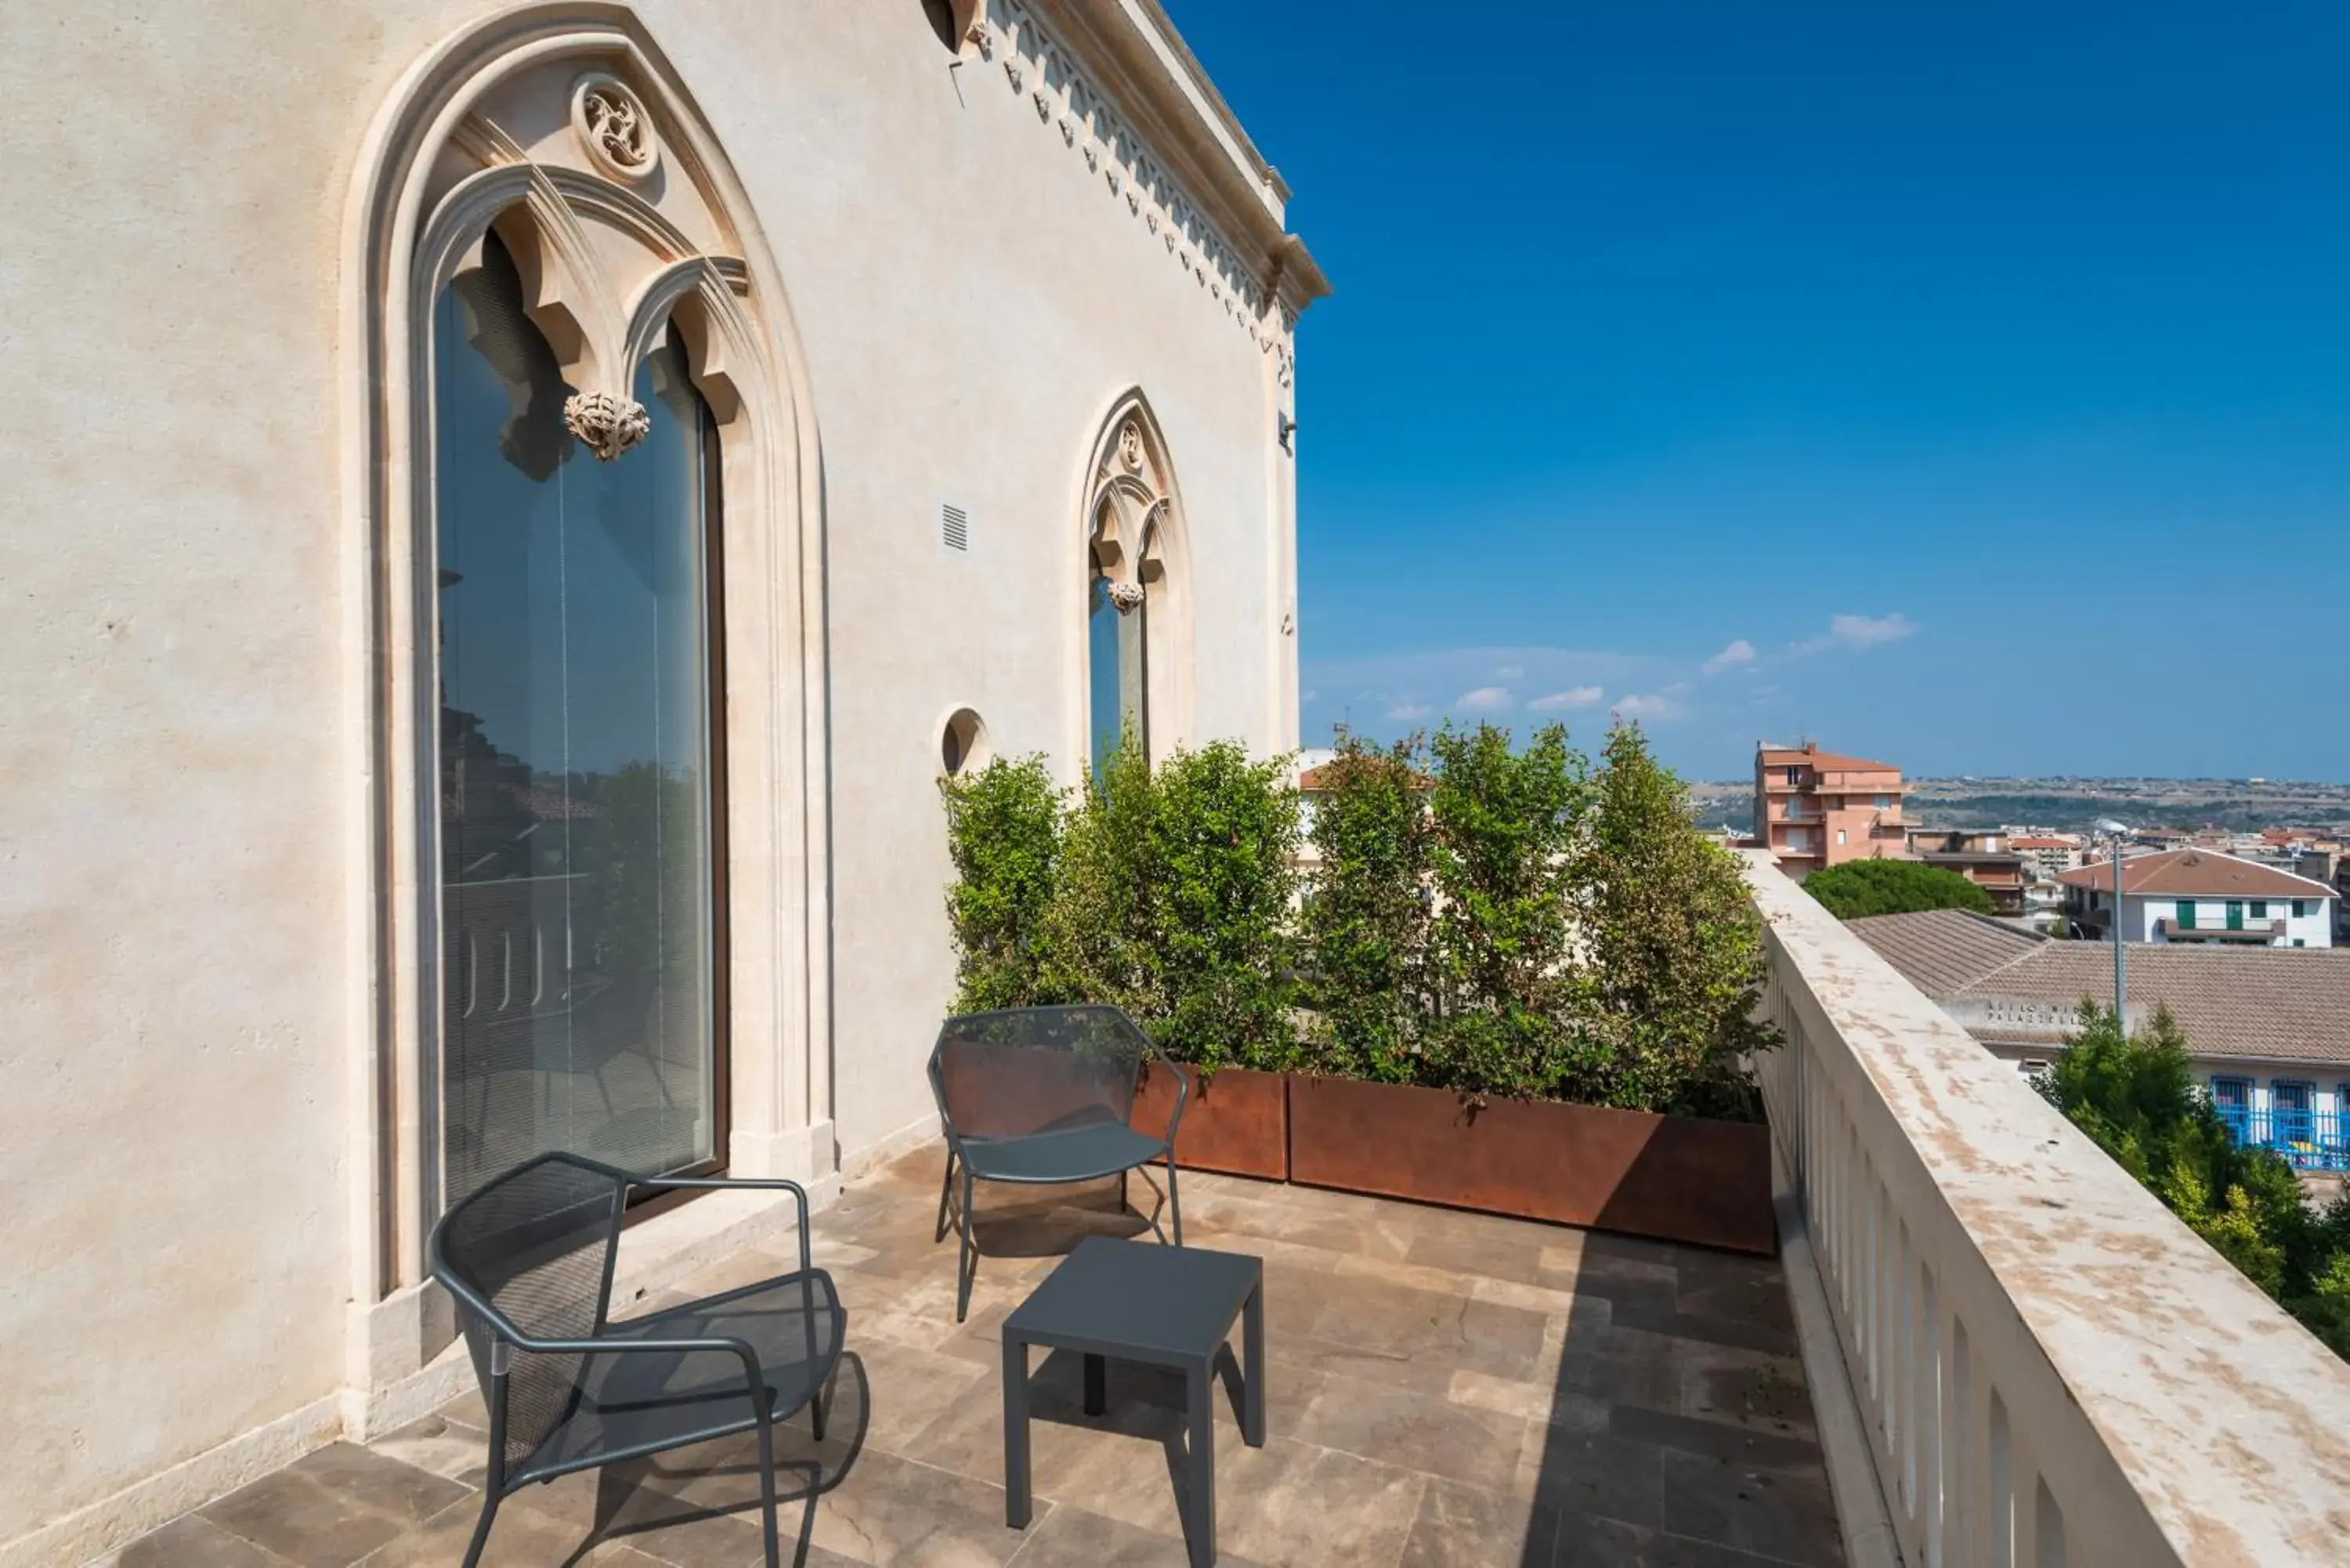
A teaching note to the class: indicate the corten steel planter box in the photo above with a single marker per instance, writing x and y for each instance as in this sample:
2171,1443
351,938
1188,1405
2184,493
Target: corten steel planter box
1677,1178
1237,1123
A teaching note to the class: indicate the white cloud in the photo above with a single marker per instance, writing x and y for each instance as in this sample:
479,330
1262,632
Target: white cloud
1483,697
1860,631
1573,697
1740,651
1409,710
1656,709
1510,672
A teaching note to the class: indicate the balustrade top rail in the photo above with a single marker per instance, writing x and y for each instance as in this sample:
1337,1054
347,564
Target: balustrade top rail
2054,1370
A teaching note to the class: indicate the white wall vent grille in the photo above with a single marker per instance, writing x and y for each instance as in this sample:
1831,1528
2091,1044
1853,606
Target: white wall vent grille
954,528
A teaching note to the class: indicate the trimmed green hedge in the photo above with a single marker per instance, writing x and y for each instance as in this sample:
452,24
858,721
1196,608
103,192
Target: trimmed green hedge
1481,916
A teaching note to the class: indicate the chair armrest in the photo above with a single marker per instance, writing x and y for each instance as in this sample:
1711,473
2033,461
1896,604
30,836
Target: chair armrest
1182,1093
769,1183
506,1330
714,1345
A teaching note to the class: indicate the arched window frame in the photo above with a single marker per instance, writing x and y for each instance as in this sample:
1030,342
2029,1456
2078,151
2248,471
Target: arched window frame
1131,512
437,173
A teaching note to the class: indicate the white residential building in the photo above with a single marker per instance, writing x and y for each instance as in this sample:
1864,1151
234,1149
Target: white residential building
2202,896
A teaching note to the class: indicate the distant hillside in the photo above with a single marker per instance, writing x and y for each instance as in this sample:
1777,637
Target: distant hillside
2070,803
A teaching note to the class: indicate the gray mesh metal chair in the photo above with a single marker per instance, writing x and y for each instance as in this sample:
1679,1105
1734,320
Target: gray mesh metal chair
530,1258
1040,1095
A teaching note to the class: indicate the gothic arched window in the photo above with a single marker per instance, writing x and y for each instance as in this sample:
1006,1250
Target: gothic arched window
1137,676
578,794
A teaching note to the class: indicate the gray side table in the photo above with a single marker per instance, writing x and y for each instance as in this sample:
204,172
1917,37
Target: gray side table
1164,1306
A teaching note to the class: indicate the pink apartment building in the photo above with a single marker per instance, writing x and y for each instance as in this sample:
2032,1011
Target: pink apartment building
1816,808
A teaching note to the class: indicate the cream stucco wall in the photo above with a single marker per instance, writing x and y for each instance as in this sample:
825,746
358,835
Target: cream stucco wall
189,1002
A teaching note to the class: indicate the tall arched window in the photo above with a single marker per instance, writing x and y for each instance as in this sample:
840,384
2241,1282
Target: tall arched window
578,751
1137,612
1117,662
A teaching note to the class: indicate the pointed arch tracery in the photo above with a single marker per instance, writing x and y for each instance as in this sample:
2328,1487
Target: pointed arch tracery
1138,604
562,129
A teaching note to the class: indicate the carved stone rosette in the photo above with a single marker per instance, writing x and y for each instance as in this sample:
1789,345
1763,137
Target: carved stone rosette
1125,596
608,426
613,127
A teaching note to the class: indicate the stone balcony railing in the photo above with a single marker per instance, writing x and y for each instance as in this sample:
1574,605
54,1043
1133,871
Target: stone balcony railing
2047,1367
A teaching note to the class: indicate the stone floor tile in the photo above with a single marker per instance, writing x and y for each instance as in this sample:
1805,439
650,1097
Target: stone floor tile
1287,1503
1653,1295
333,1506
1537,1400
1397,1321
1592,1474
748,1267
1713,1440
901,1390
1586,1542
1770,1395
193,1541
888,1511
1072,1538
1300,1507
1441,1385
1516,1257
1433,1436
1292,1362
467,1410
436,1443
519,1538
1772,1514
1760,1296
1471,1527
1743,1333
1633,1376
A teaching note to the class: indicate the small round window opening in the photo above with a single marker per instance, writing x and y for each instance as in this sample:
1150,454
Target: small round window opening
962,743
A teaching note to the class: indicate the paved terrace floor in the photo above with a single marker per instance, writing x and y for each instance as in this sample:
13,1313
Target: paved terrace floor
1445,1388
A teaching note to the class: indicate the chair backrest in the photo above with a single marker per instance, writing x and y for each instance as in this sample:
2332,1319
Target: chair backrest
537,1244
1034,1070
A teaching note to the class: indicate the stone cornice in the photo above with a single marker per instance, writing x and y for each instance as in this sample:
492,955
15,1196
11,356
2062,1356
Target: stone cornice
1117,83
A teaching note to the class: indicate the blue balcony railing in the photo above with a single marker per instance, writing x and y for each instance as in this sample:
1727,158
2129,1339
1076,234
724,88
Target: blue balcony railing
2309,1141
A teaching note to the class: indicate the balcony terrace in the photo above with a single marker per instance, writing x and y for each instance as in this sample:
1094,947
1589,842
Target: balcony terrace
1983,1344
1445,1388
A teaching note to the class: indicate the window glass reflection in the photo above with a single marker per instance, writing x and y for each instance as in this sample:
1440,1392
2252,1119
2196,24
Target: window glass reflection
576,756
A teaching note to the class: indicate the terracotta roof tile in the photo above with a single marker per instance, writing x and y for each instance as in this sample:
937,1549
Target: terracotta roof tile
2195,874
2276,1004
1789,756
1942,950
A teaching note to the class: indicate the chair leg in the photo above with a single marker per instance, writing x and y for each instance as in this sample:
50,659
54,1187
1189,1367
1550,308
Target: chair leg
1174,1203
966,1254
482,1529
768,1491
946,1190
494,1480
815,1411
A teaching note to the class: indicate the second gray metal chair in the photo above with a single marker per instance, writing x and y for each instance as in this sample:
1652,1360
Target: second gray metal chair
1041,1096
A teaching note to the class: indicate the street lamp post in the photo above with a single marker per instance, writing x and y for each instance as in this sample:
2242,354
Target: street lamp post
2117,830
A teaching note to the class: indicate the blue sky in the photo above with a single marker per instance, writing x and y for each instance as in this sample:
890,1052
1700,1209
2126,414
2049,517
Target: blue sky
1967,385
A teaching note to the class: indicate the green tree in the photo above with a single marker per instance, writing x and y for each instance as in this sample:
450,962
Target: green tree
2135,1095
1366,917
1859,888
645,864
1003,837
1097,937
1505,988
1672,946
1222,848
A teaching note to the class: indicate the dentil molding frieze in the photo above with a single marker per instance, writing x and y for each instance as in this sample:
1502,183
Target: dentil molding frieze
1045,71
